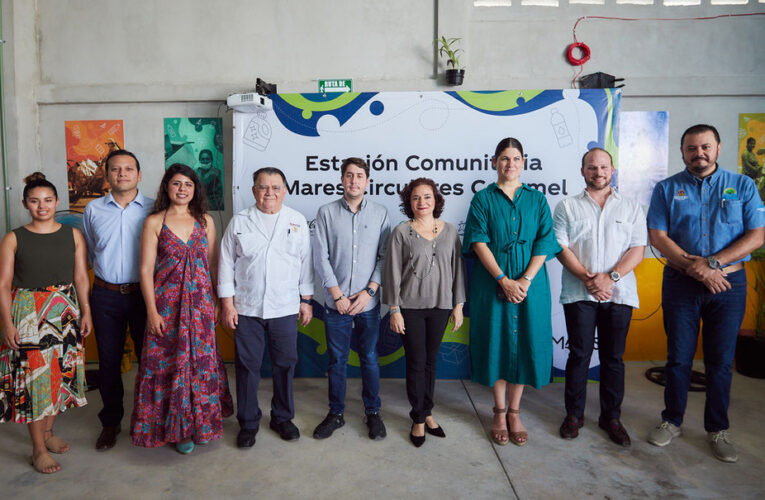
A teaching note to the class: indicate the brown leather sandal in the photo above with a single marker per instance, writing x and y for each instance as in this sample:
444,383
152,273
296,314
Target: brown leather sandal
502,433
517,438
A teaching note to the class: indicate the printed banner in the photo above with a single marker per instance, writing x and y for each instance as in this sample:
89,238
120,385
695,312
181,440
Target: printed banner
198,143
447,136
643,153
751,148
88,142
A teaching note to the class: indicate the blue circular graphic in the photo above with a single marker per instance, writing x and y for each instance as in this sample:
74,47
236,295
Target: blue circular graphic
376,108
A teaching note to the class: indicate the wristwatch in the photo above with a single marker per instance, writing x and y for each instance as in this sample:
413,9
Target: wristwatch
713,263
370,291
615,276
305,301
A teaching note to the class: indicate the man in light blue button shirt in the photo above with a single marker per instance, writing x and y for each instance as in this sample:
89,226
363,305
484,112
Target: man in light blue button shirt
348,253
112,227
705,221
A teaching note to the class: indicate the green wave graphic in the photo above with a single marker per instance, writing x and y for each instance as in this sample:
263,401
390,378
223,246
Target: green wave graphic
497,101
308,106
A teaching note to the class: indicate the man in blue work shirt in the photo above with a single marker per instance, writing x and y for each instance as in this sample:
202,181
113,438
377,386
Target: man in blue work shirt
348,254
705,221
112,227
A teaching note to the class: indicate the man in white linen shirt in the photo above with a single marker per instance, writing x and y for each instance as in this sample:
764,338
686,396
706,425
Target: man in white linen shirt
265,283
603,236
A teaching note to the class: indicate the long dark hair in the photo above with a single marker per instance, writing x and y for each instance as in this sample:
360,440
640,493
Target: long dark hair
508,142
198,203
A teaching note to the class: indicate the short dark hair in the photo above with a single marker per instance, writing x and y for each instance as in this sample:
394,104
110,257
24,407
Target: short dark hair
205,151
700,129
584,156
406,197
121,152
354,161
508,142
268,171
36,180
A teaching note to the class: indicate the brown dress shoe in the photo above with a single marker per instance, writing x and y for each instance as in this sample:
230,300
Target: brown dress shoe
569,429
108,437
616,432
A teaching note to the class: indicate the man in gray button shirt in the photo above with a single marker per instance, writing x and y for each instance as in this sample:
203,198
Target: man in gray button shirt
348,253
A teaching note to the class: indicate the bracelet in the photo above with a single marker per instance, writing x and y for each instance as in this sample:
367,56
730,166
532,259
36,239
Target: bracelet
342,296
501,275
305,301
527,277
394,310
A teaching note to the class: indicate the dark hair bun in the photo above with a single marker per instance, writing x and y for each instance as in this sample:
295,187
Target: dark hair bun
37,176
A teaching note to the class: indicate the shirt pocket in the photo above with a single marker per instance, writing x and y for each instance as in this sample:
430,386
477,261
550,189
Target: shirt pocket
250,244
731,212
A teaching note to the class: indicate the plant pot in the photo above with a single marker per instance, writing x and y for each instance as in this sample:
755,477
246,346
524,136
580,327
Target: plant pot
750,356
455,76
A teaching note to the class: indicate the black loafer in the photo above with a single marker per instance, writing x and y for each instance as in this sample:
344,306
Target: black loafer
286,430
616,432
246,438
569,429
108,437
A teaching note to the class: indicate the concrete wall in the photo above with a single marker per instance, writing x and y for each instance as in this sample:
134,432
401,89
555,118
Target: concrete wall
145,60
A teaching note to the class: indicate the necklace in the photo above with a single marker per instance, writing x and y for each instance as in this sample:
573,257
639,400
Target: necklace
414,234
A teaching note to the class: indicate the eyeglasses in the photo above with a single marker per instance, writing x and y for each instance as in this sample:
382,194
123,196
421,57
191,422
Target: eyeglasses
262,188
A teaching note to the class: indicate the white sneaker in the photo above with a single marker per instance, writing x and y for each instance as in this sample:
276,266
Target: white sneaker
722,448
662,434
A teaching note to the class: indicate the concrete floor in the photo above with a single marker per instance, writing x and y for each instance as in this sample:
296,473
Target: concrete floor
464,465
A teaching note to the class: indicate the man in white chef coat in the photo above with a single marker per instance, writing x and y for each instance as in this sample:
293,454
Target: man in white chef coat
265,284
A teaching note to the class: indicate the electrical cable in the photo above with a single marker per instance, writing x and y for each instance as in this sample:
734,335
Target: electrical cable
581,46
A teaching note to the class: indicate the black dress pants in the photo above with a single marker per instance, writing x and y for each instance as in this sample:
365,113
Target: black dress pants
424,331
612,322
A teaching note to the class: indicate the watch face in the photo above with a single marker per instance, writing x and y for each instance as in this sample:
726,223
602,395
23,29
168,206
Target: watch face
615,276
371,292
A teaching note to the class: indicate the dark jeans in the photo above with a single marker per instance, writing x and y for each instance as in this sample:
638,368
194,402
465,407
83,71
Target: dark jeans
686,301
612,322
112,313
424,331
339,329
250,342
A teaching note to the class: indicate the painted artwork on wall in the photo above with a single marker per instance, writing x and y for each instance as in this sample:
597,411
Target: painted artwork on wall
198,143
88,142
643,153
751,148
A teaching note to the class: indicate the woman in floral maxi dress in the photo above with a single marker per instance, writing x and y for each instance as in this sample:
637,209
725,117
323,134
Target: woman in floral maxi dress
181,393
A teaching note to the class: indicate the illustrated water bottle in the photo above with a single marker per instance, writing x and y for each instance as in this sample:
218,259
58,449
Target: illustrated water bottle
560,129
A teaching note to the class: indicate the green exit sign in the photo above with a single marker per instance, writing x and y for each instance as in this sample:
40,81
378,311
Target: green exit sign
336,85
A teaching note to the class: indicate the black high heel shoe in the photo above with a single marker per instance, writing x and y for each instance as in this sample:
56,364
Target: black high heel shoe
417,440
435,431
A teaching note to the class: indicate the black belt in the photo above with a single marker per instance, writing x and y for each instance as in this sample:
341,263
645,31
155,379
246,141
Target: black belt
124,288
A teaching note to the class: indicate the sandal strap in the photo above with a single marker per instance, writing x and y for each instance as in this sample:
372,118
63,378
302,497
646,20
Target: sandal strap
498,411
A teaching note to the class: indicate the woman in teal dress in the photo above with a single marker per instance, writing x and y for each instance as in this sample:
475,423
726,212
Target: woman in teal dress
510,231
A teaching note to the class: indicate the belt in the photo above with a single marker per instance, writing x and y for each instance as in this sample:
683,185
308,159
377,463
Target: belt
124,288
733,268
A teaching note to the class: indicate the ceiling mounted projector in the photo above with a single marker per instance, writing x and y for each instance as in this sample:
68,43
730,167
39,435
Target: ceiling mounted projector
250,102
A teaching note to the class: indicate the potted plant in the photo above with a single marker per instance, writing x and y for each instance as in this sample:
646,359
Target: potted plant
447,47
750,345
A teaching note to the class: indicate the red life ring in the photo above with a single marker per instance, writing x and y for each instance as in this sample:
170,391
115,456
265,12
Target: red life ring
574,61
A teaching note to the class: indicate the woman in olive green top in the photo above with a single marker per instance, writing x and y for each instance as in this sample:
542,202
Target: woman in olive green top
41,363
424,286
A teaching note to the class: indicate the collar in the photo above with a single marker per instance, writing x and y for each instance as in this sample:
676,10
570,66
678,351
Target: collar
711,179
345,204
614,194
140,199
